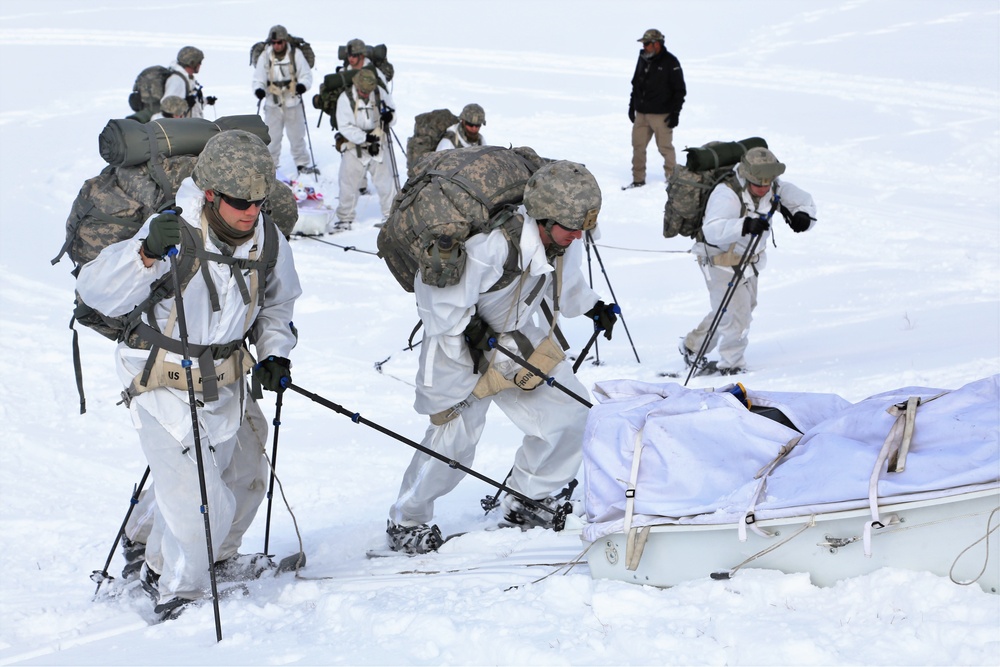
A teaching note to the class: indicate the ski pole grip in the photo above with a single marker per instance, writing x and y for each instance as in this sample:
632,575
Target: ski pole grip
172,251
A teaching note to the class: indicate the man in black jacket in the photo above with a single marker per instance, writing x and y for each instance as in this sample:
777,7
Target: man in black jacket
655,105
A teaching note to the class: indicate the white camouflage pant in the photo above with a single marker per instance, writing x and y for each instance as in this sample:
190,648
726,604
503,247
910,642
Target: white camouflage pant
292,121
169,520
549,456
732,334
352,178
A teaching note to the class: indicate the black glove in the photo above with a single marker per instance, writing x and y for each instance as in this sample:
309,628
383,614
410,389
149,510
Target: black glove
672,120
164,233
373,149
260,93
604,316
631,115
800,222
386,118
479,335
191,99
755,225
211,99
273,373
480,338
300,88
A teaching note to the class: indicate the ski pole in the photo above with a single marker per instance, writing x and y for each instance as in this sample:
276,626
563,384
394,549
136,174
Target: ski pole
274,465
724,304
590,241
345,248
358,419
590,281
100,576
186,364
259,102
586,349
551,381
305,122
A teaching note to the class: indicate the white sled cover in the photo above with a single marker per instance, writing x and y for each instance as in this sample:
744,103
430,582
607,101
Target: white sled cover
701,457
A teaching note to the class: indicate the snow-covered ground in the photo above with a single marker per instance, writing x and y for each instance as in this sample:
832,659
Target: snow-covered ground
887,111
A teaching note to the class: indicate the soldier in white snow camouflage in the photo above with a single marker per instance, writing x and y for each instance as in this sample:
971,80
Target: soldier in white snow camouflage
461,375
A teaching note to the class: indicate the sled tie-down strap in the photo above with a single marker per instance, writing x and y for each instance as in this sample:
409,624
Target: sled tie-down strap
748,517
892,456
635,540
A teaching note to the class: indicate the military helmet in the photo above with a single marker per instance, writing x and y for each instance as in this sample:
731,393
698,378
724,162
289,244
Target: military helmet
651,35
365,80
175,106
760,167
564,192
277,33
282,208
473,114
190,56
356,47
236,163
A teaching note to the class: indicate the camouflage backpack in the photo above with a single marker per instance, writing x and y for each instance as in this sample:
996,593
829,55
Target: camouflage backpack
689,186
147,91
331,88
453,195
428,128
294,42
376,56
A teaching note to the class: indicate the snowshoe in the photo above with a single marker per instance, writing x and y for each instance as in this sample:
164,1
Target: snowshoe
526,516
713,368
689,356
243,567
303,169
135,556
413,539
633,185
171,609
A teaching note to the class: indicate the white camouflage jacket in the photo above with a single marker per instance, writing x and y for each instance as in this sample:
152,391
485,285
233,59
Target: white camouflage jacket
116,280
280,71
181,84
723,225
445,376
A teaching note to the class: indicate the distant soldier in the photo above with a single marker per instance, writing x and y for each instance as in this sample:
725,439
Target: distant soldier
281,78
465,132
184,85
364,118
739,209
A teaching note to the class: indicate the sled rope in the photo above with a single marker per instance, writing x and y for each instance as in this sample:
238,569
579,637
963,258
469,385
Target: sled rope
986,556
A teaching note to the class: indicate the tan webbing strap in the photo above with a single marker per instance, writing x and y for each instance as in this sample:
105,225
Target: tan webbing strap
633,545
892,456
748,518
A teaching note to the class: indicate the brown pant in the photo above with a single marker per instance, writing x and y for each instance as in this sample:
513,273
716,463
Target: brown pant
645,127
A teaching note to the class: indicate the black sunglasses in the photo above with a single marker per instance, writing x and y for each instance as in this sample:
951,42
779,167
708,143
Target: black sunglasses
242,204
472,124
